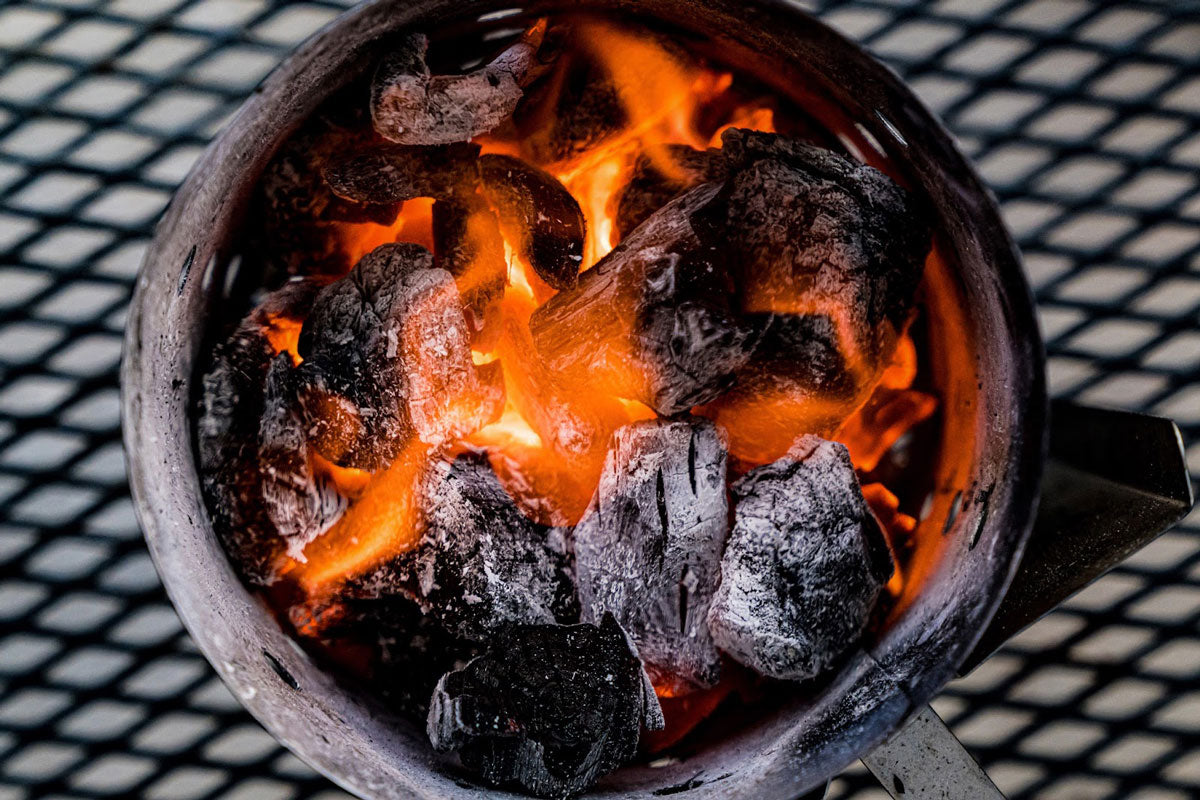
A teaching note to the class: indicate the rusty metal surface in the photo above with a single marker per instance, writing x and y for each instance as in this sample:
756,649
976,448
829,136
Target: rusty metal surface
1085,118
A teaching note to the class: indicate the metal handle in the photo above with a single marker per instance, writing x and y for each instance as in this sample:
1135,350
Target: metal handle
1113,482
925,761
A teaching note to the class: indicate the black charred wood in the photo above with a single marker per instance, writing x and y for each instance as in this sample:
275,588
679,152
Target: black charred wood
653,183
230,410
481,566
409,105
648,550
392,339
390,173
804,565
468,244
540,216
653,321
299,506
814,229
548,709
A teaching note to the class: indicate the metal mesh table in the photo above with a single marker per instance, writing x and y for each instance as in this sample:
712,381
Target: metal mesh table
1084,117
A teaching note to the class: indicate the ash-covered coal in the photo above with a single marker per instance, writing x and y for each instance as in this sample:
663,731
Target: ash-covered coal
230,412
298,505
653,184
543,220
648,550
391,337
410,105
548,709
803,567
481,566
653,321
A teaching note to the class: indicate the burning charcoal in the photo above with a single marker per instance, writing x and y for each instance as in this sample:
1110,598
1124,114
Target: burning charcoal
539,214
391,338
227,431
549,709
411,106
385,173
650,187
299,507
652,321
303,223
820,233
803,567
481,566
467,243
649,548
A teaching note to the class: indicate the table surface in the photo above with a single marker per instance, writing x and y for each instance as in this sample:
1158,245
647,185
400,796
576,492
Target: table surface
1083,116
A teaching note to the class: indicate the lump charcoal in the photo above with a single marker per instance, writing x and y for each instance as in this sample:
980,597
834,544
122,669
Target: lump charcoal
392,339
302,221
468,244
573,109
652,321
649,548
230,409
481,565
411,106
299,506
549,709
650,187
388,173
803,567
539,215
816,231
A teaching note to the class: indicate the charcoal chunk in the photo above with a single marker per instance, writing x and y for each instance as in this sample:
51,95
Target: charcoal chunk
299,505
549,709
300,224
385,174
649,548
804,565
468,244
540,216
816,231
657,181
481,566
391,338
653,320
230,410
411,106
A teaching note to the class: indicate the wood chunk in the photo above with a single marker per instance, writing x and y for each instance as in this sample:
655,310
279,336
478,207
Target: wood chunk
819,233
392,339
227,431
299,506
548,709
649,548
388,173
468,244
539,215
411,106
652,321
657,181
803,567
300,224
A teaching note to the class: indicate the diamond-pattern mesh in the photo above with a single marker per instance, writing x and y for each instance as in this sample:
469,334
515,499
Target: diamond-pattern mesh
1084,117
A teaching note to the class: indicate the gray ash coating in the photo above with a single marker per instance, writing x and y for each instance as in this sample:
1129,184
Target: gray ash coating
648,550
411,106
803,567
230,412
547,709
481,566
391,337
652,321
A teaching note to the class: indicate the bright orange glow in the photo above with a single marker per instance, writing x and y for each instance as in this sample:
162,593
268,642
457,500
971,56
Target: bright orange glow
896,525
283,335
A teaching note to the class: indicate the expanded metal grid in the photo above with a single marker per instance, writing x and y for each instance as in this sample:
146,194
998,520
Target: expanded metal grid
1085,118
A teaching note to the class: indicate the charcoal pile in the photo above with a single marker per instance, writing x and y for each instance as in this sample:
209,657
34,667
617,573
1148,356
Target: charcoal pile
527,447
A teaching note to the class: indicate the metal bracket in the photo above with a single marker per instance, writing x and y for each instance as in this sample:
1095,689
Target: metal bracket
925,761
